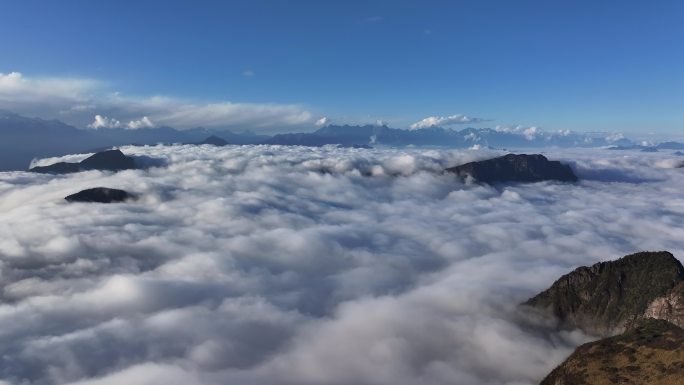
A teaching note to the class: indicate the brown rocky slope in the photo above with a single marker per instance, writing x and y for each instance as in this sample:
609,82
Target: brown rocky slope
651,353
641,296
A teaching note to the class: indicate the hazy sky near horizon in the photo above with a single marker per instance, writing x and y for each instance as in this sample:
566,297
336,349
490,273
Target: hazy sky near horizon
580,65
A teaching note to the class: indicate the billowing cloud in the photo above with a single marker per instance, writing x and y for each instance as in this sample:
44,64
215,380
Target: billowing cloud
529,132
614,137
80,101
323,121
291,265
105,122
432,121
144,122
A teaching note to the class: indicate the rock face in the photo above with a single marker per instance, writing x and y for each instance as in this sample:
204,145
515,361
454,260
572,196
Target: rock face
652,353
215,141
101,195
516,168
609,297
669,307
110,160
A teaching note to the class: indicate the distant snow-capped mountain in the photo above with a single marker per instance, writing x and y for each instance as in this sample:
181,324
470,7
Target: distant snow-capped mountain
23,138
439,136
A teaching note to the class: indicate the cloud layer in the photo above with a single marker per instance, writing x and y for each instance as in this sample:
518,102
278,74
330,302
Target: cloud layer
291,265
85,102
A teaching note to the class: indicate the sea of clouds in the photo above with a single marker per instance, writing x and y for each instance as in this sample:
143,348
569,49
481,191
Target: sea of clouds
293,265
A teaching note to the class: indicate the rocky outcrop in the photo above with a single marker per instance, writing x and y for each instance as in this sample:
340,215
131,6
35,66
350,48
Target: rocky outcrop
609,297
669,307
110,160
652,353
515,168
101,195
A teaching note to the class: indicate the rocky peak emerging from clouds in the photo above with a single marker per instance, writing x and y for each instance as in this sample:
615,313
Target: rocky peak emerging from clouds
110,160
515,168
100,195
609,297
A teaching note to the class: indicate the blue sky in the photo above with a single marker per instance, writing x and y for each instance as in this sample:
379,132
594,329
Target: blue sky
580,65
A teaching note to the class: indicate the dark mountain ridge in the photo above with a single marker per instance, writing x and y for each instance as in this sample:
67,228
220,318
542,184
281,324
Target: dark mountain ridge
101,195
214,141
515,168
109,160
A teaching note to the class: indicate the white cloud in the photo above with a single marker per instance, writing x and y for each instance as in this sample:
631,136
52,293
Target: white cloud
323,121
614,137
227,114
530,133
76,101
105,122
292,265
145,122
432,121
248,73
15,87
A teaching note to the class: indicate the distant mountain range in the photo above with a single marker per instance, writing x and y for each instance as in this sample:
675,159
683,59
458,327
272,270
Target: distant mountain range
653,148
23,139
439,136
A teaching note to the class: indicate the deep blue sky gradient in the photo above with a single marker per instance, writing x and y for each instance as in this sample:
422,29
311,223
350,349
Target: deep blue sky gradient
582,65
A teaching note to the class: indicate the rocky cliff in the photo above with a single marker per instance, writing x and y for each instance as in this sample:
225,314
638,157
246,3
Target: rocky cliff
669,307
608,297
